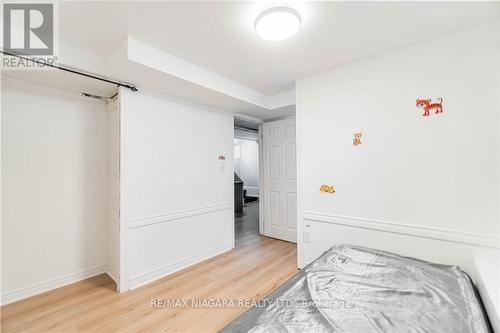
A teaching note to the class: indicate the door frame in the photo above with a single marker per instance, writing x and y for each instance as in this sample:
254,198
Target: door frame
261,166
261,179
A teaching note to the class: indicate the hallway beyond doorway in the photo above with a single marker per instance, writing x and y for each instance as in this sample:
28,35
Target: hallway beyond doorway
246,223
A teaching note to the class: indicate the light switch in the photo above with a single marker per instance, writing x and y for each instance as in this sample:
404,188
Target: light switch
307,237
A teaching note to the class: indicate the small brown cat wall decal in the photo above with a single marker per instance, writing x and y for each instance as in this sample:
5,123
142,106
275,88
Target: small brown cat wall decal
357,139
428,105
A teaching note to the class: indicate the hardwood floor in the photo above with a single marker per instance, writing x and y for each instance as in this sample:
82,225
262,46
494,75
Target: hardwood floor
255,267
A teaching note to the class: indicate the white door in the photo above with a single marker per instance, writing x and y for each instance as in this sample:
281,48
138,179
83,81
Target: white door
280,180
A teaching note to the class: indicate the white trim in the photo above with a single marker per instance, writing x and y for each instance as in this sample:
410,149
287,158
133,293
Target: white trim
181,214
124,101
261,179
112,271
298,144
142,279
272,120
41,287
231,204
248,118
406,229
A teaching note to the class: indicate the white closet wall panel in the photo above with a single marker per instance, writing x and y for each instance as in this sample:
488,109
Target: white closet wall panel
176,195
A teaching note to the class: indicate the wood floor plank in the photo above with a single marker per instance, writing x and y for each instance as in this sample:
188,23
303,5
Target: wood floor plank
255,267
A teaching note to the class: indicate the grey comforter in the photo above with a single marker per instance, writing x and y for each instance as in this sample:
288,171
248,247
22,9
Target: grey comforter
354,289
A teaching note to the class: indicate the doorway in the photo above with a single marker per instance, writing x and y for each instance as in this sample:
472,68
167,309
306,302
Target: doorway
246,178
265,179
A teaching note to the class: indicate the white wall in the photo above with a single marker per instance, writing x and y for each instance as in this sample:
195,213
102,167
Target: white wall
54,189
176,201
246,165
415,181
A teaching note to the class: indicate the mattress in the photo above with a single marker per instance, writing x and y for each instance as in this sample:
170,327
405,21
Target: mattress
356,289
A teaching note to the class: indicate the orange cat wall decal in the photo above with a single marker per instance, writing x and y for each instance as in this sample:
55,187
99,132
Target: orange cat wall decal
428,105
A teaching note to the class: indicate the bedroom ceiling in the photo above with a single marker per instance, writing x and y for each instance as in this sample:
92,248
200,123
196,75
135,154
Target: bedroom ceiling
219,36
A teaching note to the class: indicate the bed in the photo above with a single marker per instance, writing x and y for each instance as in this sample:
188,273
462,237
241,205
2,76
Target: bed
355,289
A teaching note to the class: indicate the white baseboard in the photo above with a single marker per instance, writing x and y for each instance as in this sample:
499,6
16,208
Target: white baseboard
41,287
158,273
112,271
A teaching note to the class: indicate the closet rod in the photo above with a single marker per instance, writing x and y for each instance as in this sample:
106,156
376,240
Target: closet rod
95,77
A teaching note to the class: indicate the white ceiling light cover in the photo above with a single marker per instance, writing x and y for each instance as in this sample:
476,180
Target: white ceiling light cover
277,23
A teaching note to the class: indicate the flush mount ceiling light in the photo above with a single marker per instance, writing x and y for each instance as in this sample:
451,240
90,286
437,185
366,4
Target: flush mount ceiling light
277,23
